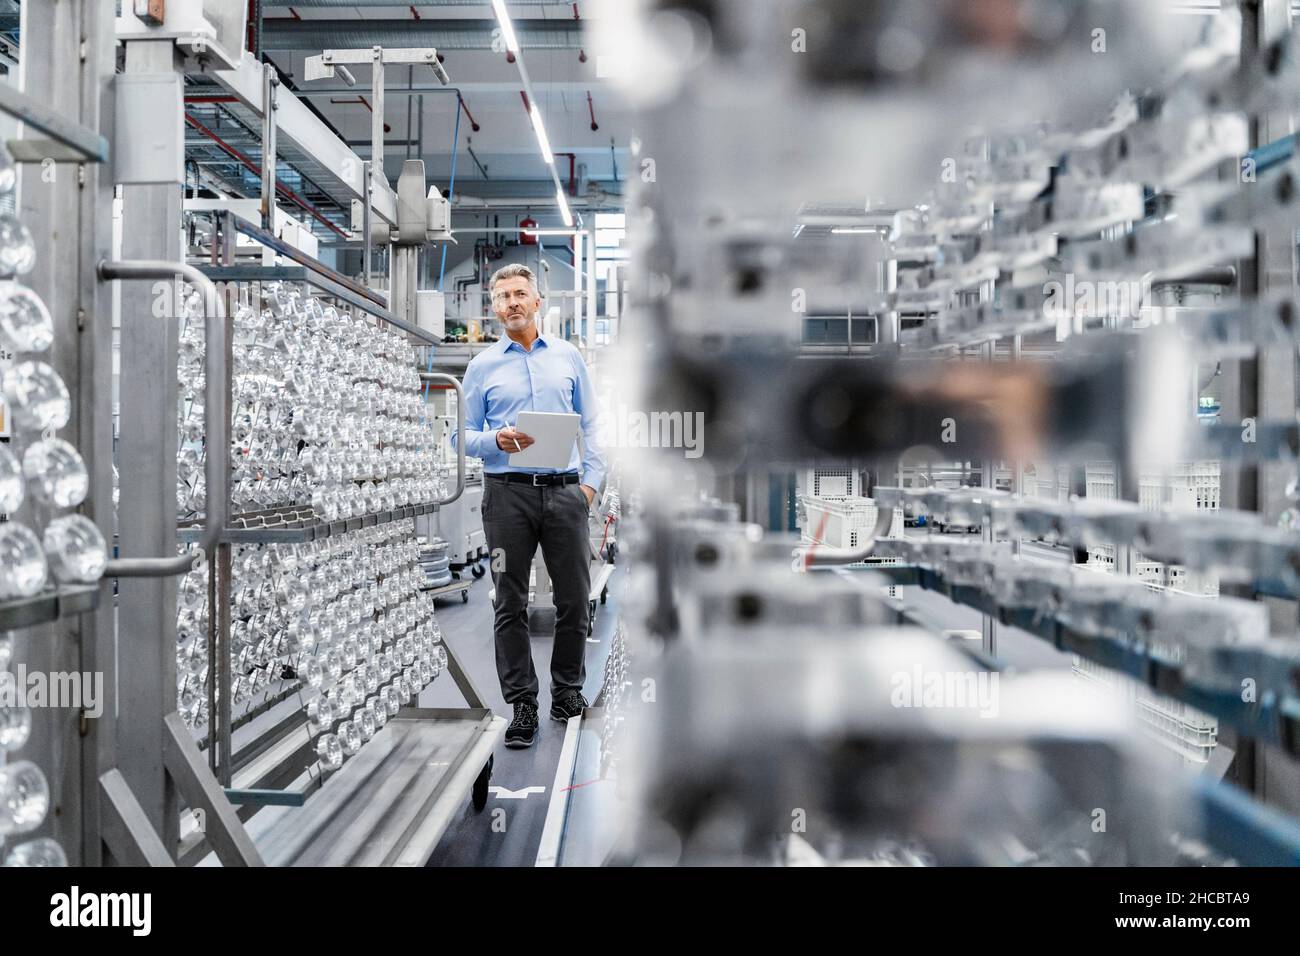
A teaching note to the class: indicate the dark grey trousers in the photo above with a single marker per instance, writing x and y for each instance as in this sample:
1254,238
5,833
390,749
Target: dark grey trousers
516,519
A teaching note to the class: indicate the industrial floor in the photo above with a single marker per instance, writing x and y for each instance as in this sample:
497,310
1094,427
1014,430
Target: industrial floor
508,830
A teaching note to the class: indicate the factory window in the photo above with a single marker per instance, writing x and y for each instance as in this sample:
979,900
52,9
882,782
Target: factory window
839,330
826,331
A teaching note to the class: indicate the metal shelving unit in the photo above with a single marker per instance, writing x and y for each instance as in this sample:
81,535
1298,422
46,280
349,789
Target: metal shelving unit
123,780
384,808
277,766
300,525
47,607
1275,717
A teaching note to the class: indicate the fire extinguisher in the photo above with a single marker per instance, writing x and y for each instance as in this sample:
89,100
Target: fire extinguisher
526,238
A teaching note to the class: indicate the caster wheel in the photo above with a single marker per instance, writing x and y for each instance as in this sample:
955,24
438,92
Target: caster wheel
604,593
464,597
478,570
480,794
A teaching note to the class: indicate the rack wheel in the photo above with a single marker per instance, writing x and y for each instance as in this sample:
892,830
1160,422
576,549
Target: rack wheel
481,786
478,570
604,593
464,597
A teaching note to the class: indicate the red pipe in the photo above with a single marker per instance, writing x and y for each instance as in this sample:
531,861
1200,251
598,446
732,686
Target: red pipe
573,181
211,99
470,116
582,54
362,100
254,168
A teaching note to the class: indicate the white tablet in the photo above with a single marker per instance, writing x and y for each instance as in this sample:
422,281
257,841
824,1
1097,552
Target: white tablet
553,434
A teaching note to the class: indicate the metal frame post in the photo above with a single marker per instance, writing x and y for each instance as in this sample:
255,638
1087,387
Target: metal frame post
270,97
151,229
68,61
589,325
377,111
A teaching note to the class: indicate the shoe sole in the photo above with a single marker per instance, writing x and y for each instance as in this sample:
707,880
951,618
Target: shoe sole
560,716
521,744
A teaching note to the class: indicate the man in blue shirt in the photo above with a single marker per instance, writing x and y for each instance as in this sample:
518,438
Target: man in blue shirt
525,507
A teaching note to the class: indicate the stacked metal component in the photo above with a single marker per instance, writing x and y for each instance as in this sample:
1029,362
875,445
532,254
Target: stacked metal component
340,622
327,414
35,464
327,427
41,475
435,564
614,697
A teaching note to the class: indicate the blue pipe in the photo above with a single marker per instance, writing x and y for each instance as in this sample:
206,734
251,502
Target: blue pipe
451,188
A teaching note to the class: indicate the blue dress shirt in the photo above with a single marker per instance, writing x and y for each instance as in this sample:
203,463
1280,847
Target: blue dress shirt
506,379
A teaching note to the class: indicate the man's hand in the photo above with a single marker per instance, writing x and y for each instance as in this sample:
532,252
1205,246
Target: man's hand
590,492
507,437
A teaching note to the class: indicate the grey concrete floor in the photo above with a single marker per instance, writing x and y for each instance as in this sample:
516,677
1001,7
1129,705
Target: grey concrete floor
507,831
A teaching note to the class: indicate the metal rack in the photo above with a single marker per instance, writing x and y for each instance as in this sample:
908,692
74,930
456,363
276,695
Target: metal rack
1275,717
122,781
298,525
283,752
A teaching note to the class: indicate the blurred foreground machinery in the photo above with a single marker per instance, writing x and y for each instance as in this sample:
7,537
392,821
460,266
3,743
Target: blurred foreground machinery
1007,241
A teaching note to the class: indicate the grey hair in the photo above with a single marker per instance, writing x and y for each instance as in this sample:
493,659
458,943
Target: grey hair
512,271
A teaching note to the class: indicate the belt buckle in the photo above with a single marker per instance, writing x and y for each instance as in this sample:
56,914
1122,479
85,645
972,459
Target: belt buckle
539,484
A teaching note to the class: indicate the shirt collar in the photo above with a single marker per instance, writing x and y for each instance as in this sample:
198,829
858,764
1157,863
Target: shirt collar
508,343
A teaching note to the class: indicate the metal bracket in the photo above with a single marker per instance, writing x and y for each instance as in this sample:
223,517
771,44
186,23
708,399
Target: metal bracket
125,828
460,430
324,66
224,831
72,140
218,418
462,679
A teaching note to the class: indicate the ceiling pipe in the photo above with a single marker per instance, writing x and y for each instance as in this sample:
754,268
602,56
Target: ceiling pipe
349,4
360,101
573,176
252,167
582,54
286,35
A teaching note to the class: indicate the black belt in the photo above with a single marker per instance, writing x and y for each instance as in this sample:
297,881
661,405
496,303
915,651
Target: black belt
537,481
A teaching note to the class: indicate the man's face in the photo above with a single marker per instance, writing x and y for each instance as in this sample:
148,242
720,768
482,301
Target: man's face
515,303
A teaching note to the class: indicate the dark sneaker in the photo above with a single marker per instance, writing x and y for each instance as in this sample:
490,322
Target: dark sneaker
569,704
523,729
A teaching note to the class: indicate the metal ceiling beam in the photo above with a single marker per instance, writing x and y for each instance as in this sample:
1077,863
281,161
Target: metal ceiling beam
306,132
468,88
289,35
